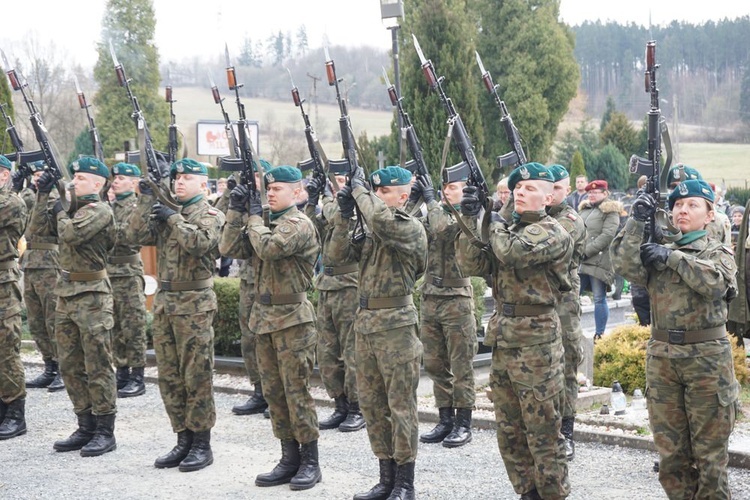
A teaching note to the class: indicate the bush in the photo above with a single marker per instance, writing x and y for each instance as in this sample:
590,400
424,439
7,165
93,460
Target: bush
227,333
737,196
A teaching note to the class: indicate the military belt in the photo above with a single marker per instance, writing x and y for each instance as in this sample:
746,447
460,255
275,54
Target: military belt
680,337
282,298
8,264
448,282
385,302
512,310
124,259
185,286
337,270
38,245
90,276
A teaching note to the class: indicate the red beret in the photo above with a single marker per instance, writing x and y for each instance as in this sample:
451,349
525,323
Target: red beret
597,185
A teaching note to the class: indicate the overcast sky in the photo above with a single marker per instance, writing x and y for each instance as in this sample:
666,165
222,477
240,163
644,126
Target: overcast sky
190,27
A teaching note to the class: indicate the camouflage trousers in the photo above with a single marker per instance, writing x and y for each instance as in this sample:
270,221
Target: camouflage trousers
336,355
285,361
692,409
571,340
527,385
184,348
129,333
387,379
40,298
449,336
12,385
247,345
83,325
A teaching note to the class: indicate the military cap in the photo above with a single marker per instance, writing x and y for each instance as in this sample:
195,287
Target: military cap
283,173
89,165
597,184
689,173
456,173
558,172
263,163
37,166
691,188
5,162
128,169
531,171
390,176
188,166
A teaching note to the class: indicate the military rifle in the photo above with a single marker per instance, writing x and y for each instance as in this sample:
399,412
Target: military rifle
15,142
234,149
93,134
155,162
172,143
507,162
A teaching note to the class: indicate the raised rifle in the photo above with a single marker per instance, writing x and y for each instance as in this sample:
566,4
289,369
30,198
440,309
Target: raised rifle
93,134
15,142
172,143
516,157
47,150
234,149
151,161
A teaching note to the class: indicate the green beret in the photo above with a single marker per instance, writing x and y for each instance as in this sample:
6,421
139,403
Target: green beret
37,166
691,188
5,163
263,163
89,165
390,176
532,171
126,169
283,173
188,166
558,172
688,173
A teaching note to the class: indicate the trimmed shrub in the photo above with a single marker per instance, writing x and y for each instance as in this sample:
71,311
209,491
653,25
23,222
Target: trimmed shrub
227,333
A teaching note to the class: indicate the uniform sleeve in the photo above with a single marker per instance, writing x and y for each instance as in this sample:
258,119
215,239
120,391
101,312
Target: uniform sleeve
139,230
340,246
85,223
602,241
41,221
472,260
222,202
234,242
437,219
709,277
531,246
200,237
384,222
625,253
290,237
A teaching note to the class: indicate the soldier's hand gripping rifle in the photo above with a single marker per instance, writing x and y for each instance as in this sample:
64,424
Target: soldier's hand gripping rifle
657,177
15,142
516,157
47,151
153,164
234,148
317,161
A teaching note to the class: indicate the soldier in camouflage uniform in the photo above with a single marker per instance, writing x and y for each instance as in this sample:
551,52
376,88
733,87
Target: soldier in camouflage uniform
569,308
337,305
690,382
448,326
392,256
283,320
529,259
184,308
12,387
83,316
125,270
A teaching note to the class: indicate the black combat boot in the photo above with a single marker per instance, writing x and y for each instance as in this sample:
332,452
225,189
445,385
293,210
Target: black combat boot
308,474
403,488
267,413
82,435
135,386
178,453
57,384
442,429
104,437
14,421
354,419
567,431
200,455
3,409
123,376
339,414
287,467
531,495
387,478
44,379
461,433
256,404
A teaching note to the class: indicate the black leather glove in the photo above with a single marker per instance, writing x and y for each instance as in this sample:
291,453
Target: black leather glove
46,182
425,186
415,194
346,202
314,188
57,208
643,208
358,178
145,188
238,198
470,204
256,207
17,178
160,213
231,183
655,255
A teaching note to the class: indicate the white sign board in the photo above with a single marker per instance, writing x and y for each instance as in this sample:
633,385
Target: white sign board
212,139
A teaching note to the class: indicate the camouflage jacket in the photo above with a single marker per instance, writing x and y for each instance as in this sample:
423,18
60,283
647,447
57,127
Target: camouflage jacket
324,227
529,262
689,294
234,244
720,228
187,246
86,239
442,229
41,228
286,254
573,224
123,210
392,257
13,212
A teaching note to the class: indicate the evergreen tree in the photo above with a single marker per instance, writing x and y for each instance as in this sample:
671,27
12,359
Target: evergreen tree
577,168
130,26
609,109
7,101
745,96
619,132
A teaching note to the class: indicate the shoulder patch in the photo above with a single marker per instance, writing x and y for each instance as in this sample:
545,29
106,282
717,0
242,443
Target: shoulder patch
535,233
726,261
284,229
294,220
572,217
